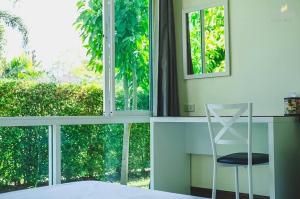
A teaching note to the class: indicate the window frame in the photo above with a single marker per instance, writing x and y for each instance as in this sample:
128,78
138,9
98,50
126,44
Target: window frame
109,105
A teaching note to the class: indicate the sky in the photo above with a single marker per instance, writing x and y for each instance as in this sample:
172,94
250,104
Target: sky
51,33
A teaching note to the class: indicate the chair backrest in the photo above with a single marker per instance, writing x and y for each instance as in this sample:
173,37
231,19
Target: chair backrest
212,110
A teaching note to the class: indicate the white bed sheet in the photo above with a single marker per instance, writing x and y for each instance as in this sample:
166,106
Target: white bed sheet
91,190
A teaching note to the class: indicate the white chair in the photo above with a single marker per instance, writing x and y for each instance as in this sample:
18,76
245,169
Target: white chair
237,138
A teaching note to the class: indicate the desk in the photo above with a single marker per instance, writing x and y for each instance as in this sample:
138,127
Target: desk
173,139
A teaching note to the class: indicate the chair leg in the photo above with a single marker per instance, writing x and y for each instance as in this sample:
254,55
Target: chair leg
237,189
214,191
250,182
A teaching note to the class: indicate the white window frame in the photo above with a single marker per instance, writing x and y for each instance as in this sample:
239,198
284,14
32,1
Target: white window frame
109,106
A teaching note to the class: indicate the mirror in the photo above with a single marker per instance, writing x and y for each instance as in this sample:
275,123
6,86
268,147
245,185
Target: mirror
205,41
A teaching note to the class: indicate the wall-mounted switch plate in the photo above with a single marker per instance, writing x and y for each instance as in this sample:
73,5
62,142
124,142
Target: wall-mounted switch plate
189,107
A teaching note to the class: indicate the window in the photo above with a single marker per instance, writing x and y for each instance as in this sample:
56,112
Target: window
72,63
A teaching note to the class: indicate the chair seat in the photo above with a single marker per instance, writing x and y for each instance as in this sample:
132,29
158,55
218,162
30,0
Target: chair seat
242,159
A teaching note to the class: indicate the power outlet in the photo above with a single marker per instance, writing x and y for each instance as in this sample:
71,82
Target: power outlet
189,108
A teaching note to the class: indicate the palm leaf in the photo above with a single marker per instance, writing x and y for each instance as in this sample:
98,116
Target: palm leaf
16,23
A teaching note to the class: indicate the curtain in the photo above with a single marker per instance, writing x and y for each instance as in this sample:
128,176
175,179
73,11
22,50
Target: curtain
189,62
167,85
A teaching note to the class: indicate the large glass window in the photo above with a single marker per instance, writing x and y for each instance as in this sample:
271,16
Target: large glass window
52,56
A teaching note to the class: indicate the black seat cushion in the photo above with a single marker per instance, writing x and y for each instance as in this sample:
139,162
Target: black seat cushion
242,159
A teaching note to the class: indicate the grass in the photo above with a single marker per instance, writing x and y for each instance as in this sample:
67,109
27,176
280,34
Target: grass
142,183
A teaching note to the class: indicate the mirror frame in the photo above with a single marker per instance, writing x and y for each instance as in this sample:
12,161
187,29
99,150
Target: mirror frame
227,47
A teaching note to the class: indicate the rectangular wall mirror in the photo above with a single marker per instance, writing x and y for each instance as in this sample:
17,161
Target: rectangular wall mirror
206,41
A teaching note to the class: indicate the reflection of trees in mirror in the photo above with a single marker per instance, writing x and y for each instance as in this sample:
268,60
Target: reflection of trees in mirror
214,39
214,28
196,43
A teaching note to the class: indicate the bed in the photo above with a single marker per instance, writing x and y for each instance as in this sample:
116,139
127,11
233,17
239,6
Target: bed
91,190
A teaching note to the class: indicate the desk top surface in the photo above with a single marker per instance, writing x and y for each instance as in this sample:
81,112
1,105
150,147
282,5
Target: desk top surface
200,119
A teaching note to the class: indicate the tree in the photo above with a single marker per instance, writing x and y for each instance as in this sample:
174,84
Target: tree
12,21
2,43
21,67
131,52
89,24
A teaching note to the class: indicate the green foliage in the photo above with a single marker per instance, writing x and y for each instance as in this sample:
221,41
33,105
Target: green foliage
196,43
10,20
14,22
21,67
23,160
89,24
88,151
132,34
2,41
214,40
131,44
25,98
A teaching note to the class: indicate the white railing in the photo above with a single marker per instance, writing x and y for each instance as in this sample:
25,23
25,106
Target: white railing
70,120
55,123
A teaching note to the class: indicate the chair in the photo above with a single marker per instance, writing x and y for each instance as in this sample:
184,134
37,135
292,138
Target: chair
237,138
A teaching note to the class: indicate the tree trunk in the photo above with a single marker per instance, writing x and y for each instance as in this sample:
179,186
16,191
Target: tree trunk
126,135
134,85
127,126
125,154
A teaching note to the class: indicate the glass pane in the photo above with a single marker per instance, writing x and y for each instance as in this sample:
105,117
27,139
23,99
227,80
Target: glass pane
214,39
91,152
94,152
139,156
132,54
194,43
51,64
24,158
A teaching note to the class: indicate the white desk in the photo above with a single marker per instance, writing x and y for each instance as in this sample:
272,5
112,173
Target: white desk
173,139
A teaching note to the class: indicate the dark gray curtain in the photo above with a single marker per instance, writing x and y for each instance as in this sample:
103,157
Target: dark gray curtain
189,62
167,99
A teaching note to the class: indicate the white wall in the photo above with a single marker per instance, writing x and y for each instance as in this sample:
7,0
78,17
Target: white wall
265,52
265,68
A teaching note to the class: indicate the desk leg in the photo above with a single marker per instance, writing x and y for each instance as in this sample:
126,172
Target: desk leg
285,160
271,159
170,164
